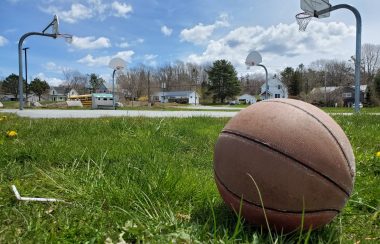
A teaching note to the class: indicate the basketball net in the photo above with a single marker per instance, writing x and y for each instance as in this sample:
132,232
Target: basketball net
303,19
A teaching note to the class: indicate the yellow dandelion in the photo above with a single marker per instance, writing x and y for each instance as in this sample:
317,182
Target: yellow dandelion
11,133
378,154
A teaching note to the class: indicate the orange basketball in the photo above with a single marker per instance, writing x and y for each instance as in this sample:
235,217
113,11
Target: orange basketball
299,157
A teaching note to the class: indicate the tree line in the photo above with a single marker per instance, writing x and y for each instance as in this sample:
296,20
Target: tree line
219,81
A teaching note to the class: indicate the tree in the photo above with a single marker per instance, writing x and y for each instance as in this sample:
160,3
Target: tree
10,85
96,82
370,61
75,79
224,82
39,87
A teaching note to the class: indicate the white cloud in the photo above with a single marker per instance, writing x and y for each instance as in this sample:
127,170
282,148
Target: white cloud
200,33
87,10
140,40
276,42
123,45
77,12
90,42
3,41
53,67
92,61
122,9
150,59
166,30
52,81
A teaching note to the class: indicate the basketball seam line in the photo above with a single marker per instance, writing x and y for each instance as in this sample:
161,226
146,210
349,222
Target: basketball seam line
269,208
287,156
330,132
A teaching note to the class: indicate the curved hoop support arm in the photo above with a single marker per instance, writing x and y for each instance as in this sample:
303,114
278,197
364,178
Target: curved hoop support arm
358,45
266,80
20,78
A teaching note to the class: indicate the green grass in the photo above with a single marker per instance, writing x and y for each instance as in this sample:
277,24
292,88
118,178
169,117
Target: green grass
152,180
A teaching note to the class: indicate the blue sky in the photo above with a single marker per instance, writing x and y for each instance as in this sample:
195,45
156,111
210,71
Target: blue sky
153,32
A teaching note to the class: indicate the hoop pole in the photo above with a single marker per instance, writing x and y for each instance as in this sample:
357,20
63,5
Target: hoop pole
358,45
20,78
266,80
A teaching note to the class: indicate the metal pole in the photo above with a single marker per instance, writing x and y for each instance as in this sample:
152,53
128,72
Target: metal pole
266,81
20,79
148,88
113,89
358,46
26,73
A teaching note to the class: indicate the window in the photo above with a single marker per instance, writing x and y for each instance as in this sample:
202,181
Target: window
277,95
279,87
191,96
105,99
98,98
347,95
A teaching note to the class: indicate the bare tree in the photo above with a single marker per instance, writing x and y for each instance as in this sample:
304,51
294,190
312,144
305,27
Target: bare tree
370,61
74,79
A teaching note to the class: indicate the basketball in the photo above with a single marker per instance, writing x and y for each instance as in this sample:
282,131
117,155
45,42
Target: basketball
285,163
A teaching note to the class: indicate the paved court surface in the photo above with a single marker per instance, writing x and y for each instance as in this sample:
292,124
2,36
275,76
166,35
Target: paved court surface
44,113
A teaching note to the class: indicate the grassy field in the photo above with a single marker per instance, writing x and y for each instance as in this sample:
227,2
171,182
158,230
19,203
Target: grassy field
138,179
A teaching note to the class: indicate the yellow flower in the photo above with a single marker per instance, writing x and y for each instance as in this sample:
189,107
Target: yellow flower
378,154
11,133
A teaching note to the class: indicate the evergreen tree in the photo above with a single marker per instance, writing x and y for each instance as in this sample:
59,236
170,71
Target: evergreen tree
224,82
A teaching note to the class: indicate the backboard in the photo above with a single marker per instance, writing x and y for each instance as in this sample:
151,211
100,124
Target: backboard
253,58
116,64
56,25
309,6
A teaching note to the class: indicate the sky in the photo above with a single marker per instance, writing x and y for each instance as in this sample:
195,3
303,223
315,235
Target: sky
155,33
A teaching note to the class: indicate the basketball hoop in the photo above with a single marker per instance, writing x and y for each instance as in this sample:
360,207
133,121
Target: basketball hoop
303,19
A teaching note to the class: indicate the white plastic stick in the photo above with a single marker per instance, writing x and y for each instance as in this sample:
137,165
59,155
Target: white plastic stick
36,199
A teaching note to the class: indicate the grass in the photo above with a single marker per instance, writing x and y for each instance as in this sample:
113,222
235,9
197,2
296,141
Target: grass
151,180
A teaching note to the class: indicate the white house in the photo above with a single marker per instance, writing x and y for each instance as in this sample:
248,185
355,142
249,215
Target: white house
188,97
61,93
247,99
276,89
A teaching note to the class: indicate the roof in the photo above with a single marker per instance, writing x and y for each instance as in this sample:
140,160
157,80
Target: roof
61,90
329,89
246,96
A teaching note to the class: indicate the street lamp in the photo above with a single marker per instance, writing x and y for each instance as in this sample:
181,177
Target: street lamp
115,64
254,59
54,24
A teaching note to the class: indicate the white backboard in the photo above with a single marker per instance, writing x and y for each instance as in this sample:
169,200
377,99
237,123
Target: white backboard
253,58
116,64
56,25
309,6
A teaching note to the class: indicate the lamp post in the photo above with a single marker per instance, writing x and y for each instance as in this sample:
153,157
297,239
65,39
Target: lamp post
54,24
26,73
116,64
254,59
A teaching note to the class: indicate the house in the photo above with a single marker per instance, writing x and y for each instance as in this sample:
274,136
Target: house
61,93
247,99
188,97
343,95
276,89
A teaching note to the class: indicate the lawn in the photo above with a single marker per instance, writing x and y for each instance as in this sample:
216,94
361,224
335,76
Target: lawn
150,180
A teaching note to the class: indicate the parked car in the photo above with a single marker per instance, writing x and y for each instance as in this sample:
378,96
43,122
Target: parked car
233,102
